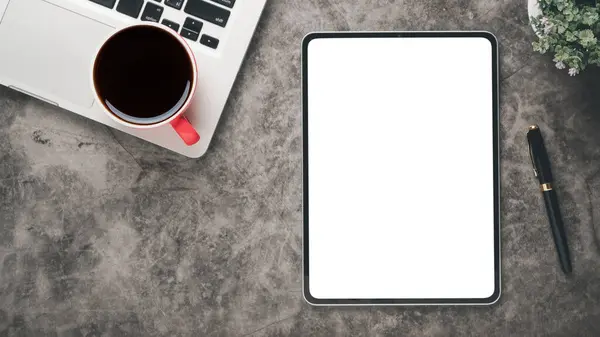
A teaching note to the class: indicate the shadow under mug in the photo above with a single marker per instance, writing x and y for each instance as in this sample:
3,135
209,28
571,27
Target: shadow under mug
144,76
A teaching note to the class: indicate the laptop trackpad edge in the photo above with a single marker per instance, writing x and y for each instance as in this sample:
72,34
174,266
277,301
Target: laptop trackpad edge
50,49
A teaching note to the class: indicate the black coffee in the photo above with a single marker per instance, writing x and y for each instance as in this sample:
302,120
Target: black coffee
143,75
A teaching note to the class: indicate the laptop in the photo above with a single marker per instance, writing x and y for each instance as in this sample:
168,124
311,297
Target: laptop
48,47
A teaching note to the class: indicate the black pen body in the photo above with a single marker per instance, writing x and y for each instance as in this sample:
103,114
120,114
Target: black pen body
558,228
542,171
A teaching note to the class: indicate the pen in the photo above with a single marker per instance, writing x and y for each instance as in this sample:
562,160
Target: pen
541,169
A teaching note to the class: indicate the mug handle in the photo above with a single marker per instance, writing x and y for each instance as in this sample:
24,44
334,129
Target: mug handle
185,130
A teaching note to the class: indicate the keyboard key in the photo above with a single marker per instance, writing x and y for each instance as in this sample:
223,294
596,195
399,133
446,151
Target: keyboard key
107,3
208,12
171,24
193,25
152,12
130,7
188,34
227,3
174,3
209,41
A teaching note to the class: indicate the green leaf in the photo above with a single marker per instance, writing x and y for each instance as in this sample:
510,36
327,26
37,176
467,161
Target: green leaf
541,46
587,38
575,60
560,56
594,58
589,18
569,17
570,37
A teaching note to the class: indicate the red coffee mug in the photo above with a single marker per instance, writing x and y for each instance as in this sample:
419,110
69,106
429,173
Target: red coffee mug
145,76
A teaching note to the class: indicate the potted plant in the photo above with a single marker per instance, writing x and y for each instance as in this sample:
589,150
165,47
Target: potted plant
568,30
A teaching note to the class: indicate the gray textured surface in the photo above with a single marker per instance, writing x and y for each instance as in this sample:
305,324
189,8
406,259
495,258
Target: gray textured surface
103,234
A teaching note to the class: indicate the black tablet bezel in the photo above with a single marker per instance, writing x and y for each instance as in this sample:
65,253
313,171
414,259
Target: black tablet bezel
401,301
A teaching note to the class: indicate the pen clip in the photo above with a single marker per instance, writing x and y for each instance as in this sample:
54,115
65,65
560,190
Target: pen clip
532,163
535,172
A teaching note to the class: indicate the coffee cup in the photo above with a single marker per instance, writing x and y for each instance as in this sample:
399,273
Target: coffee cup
144,76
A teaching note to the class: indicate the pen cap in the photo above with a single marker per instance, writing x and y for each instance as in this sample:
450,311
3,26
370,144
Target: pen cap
539,156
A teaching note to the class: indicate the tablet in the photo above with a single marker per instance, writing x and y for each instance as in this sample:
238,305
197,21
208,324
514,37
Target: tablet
401,168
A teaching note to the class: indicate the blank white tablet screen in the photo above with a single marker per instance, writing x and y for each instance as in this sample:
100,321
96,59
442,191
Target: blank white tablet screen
400,168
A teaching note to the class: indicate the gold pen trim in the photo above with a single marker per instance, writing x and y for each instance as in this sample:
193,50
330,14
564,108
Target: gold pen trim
546,187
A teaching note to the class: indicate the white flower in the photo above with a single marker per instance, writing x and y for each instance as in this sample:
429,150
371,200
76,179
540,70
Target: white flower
573,71
560,65
546,25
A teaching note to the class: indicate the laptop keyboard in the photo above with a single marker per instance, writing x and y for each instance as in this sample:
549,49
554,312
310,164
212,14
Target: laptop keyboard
130,7
200,11
174,3
208,12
